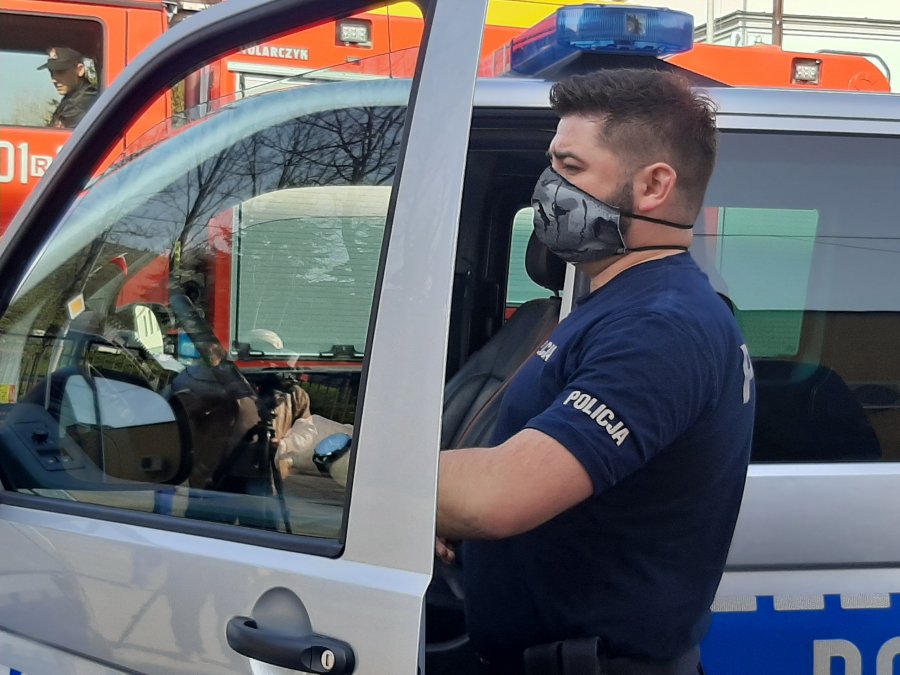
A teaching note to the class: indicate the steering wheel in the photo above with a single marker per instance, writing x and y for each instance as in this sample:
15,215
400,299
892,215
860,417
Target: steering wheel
447,646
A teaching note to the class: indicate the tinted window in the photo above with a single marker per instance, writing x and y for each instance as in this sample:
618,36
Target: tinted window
800,234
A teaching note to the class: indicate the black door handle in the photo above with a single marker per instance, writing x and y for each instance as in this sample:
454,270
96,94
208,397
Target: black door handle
310,653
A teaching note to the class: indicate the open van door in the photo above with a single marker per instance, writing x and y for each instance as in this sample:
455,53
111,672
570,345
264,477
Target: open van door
145,522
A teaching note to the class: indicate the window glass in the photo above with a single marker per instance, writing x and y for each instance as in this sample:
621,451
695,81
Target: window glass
51,69
811,272
191,342
321,263
770,302
520,288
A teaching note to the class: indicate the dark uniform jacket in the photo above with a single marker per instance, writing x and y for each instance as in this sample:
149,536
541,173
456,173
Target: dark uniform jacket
73,107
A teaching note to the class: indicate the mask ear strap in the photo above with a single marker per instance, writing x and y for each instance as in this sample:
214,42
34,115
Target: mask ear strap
656,248
658,221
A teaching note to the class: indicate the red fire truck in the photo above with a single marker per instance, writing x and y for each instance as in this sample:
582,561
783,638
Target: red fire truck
108,34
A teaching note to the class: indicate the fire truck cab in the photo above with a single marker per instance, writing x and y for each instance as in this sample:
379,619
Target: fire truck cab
109,35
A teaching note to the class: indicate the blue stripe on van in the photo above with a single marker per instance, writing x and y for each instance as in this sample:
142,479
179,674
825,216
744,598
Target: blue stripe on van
813,635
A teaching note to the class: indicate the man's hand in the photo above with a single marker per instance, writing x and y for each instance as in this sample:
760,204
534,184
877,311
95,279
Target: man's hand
445,550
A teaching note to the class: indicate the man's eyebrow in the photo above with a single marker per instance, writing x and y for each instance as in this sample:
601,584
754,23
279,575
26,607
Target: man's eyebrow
553,154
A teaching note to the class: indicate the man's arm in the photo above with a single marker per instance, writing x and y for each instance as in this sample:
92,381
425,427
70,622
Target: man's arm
493,493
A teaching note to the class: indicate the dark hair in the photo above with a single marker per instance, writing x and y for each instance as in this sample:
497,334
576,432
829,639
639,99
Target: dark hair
648,116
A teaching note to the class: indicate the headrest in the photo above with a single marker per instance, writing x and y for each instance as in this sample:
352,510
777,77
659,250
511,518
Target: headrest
545,268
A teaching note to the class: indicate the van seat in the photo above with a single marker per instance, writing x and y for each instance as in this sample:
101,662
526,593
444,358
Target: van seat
472,396
805,412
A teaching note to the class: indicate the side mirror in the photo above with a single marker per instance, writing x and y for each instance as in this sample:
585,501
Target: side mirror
129,431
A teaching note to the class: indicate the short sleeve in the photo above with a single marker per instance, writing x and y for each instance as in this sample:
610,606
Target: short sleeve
632,388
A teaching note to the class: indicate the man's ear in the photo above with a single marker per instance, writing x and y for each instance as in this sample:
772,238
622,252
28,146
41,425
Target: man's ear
79,70
654,186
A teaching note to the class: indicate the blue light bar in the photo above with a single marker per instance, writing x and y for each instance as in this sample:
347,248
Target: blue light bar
603,29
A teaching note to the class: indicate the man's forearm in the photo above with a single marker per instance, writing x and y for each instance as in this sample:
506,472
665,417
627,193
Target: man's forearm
460,514
493,493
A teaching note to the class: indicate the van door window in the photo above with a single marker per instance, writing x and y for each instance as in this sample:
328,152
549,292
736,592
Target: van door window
769,307
520,288
811,274
192,342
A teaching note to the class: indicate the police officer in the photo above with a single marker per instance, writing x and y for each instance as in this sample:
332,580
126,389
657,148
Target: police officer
595,529
69,76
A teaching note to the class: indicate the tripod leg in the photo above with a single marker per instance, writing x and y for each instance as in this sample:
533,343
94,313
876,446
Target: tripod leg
279,489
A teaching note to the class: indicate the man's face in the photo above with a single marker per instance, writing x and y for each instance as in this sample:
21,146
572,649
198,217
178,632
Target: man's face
578,154
66,81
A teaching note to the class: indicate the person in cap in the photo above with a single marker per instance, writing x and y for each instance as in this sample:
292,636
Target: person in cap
69,76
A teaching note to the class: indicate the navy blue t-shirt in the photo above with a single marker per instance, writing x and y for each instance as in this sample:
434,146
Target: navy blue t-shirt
648,383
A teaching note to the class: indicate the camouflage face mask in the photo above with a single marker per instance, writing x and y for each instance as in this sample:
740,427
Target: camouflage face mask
579,227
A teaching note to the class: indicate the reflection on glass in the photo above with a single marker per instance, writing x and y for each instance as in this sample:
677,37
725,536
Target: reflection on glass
191,341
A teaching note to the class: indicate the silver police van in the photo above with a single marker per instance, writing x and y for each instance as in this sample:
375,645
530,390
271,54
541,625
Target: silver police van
228,364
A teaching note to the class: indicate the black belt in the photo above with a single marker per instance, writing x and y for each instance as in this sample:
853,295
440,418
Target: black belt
585,657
